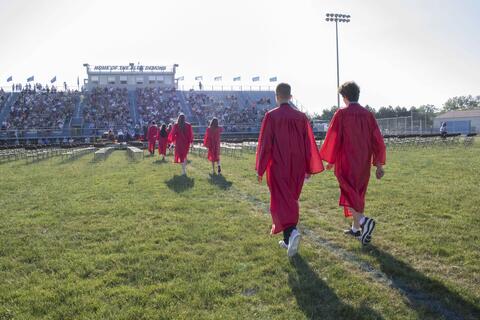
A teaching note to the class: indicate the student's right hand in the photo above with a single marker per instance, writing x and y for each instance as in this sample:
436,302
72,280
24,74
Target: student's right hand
380,172
260,178
330,166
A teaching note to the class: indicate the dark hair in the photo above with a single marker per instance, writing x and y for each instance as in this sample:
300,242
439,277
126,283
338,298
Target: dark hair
214,123
181,121
350,90
153,122
163,131
283,90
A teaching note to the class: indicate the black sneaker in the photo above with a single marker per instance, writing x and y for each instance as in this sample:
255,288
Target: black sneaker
367,229
219,170
350,232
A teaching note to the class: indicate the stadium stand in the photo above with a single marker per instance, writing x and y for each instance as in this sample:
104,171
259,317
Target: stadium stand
34,109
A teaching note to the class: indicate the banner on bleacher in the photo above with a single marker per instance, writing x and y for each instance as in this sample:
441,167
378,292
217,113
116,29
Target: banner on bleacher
236,79
255,79
180,78
273,79
199,78
219,78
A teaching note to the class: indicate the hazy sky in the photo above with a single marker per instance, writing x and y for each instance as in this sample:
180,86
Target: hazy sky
400,52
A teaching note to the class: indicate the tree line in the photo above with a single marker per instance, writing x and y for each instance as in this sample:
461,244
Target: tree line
427,111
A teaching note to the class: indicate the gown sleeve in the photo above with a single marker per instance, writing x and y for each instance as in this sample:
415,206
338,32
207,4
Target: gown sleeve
206,138
190,133
378,145
264,147
333,139
314,161
171,135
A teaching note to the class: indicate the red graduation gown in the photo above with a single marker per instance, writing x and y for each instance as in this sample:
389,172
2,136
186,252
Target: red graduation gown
182,140
152,137
286,151
212,142
353,143
162,144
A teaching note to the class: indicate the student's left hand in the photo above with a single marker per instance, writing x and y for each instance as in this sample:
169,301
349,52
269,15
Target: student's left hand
330,166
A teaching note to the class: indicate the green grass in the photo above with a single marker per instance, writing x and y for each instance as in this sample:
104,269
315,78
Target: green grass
121,240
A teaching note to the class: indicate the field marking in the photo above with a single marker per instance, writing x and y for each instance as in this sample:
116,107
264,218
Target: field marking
413,296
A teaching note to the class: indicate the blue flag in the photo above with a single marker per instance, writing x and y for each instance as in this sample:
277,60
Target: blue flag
273,79
9,79
31,79
236,79
53,79
219,78
256,79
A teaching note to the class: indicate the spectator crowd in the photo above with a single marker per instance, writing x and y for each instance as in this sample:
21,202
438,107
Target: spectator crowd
107,108
37,108
157,104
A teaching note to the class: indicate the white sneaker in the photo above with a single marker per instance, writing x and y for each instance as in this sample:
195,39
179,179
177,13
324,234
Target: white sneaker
293,243
282,244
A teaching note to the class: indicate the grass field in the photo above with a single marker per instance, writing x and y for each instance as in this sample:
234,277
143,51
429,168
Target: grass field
122,240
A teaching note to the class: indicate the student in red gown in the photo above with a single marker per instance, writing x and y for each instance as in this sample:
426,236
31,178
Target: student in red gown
152,137
182,136
162,141
288,153
352,145
212,142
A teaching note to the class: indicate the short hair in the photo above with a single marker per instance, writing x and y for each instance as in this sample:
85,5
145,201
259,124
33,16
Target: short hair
350,90
283,90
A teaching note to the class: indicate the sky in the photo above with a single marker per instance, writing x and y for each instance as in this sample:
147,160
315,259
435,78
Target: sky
400,52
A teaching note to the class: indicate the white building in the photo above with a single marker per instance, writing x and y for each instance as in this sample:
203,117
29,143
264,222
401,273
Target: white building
130,76
460,121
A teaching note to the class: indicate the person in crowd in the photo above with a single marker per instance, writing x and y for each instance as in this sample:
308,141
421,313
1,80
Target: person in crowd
163,141
288,153
352,144
443,129
212,142
182,136
152,134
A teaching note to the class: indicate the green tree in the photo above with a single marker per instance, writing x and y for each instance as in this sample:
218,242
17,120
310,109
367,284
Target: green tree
462,103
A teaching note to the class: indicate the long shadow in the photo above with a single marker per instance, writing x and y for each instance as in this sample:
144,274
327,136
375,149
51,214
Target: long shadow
317,300
422,291
160,161
180,183
220,181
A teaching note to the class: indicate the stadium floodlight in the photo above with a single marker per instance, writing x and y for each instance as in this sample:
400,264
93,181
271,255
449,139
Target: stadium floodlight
337,17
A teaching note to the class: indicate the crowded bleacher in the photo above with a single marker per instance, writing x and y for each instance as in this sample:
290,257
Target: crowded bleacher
107,108
231,110
158,104
38,108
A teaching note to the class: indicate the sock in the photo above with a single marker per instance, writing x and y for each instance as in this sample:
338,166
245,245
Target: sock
354,229
362,220
184,167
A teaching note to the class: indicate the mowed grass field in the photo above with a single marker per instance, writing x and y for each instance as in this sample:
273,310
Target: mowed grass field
123,240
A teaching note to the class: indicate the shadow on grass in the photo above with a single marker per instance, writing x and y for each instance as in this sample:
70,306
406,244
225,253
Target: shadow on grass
160,161
317,300
423,292
220,181
180,183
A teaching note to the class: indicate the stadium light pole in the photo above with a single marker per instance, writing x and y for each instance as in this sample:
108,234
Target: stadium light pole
337,17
